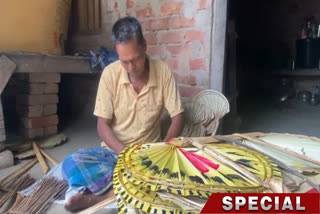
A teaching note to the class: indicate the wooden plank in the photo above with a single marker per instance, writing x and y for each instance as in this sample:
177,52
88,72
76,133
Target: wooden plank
97,14
35,62
98,206
82,15
7,67
49,157
42,162
91,15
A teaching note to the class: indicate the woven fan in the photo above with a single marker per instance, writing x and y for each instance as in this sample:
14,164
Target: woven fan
182,172
216,105
194,116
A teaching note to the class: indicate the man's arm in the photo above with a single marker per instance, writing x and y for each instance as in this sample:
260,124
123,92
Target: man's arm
175,128
106,134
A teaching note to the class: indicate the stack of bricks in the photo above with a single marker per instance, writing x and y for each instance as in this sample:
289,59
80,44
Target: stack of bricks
37,105
2,130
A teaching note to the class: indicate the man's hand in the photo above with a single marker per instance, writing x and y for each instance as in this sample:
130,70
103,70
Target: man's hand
106,134
175,128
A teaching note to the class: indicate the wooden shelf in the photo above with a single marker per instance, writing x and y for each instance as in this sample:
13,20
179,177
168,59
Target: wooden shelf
34,62
297,72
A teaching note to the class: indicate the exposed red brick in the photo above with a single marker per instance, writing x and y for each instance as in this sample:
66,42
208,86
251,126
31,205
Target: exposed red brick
38,99
32,133
144,13
130,4
203,4
158,24
171,8
181,22
130,13
30,111
115,6
189,91
143,25
173,64
50,130
176,76
51,88
151,38
178,50
194,35
197,64
155,50
35,88
110,7
188,79
44,77
40,122
49,109
171,37
50,99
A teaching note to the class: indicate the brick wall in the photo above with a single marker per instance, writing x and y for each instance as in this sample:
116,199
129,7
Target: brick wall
178,32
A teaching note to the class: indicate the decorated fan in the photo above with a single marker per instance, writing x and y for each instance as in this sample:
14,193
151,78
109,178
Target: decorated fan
179,176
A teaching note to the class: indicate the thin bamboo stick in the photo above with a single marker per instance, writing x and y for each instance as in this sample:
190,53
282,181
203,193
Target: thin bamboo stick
18,172
279,163
49,157
278,148
15,186
229,162
98,206
42,162
46,192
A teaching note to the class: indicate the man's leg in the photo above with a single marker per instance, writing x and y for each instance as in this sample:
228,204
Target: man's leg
82,201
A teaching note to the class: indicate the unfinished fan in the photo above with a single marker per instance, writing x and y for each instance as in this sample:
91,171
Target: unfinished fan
179,176
194,117
296,151
216,105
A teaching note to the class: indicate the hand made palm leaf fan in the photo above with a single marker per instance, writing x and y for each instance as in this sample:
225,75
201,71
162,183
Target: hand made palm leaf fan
145,171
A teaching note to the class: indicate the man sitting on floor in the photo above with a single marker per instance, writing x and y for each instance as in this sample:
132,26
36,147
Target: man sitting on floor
131,96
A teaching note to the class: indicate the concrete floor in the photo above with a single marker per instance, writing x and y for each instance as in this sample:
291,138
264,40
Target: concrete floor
257,114
265,115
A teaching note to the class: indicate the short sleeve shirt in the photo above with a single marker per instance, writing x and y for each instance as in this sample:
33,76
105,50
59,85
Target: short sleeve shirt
136,117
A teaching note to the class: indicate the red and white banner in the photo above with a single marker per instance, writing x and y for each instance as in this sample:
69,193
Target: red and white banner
263,203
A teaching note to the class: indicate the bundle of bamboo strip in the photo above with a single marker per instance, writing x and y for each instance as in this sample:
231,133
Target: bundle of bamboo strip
11,190
47,191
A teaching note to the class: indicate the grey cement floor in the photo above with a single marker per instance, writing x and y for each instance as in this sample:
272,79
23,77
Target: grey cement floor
266,115
257,114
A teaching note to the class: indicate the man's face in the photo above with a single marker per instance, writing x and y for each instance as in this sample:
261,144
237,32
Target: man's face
132,56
